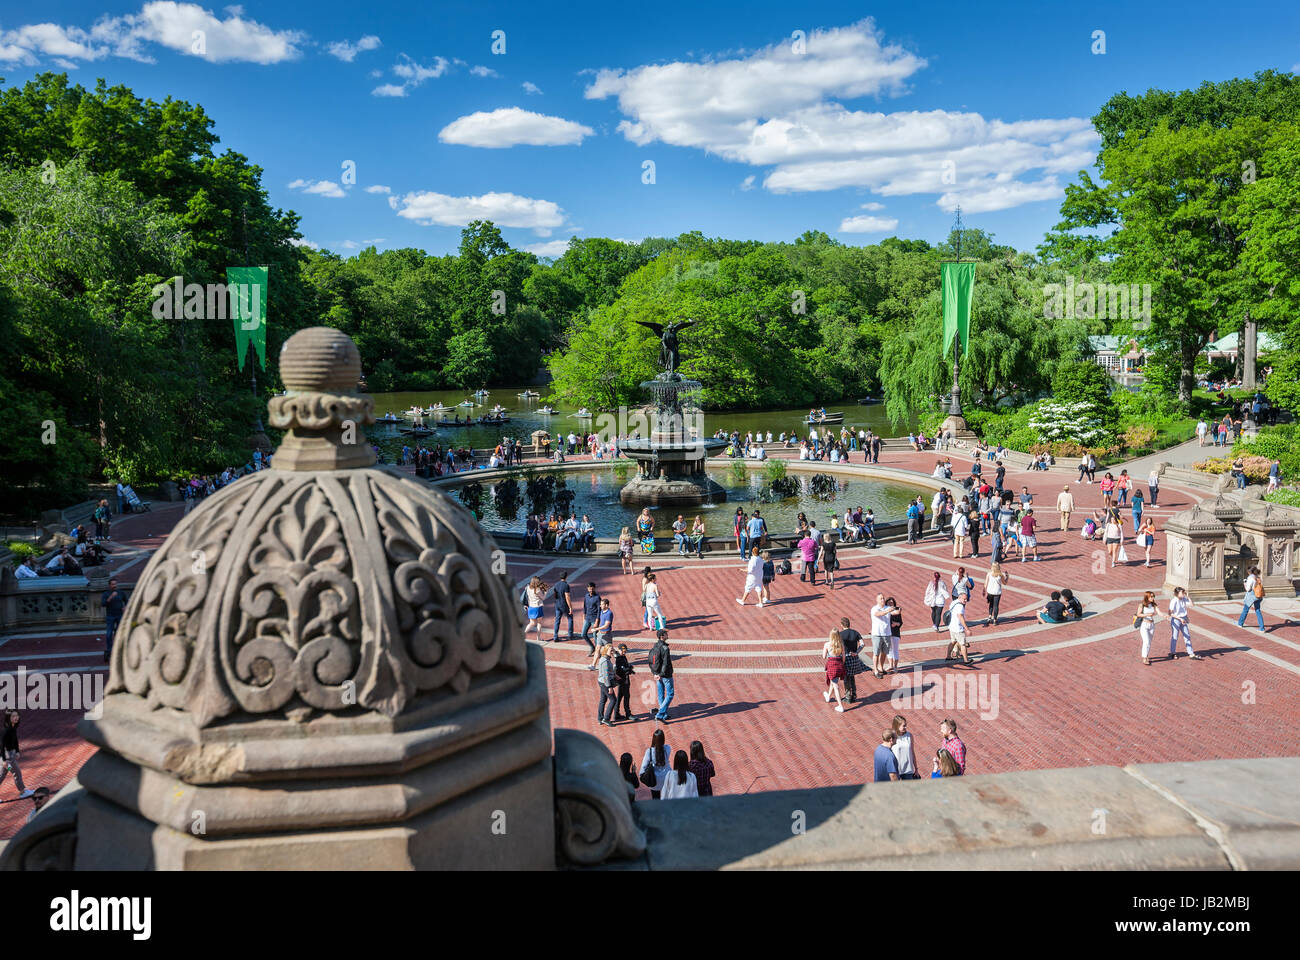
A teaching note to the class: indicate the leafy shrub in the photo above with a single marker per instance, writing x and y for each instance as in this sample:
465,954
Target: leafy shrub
1286,495
22,550
774,471
1256,468
1081,381
1140,436
1281,443
739,472
1081,421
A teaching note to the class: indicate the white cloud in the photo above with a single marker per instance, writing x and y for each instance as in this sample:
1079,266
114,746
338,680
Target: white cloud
235,10
503,209
483,72
378,188
747,183
304,243
873,206
779,109
413,73
511,126
174,25
416,73
375,241
867,224
347,52
52,40
347,245
531,88
323,188
986,195
551,248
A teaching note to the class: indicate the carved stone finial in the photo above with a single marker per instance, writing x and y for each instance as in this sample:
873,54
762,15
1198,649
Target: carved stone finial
321,408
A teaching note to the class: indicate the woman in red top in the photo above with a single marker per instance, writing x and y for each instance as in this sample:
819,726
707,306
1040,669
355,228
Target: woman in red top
1107,490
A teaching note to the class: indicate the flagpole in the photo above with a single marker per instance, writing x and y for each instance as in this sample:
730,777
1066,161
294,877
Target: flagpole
954,408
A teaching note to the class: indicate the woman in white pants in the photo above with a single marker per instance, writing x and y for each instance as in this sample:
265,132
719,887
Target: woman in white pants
654,612
1147,613
1178,608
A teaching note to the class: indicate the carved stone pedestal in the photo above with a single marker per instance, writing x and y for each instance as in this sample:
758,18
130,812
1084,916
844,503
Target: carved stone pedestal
1268,533
1196,554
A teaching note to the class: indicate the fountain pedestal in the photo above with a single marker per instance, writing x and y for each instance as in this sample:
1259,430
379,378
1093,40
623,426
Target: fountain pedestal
670,463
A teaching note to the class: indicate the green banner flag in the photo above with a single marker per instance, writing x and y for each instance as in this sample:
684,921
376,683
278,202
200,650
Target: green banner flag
247,288
958,283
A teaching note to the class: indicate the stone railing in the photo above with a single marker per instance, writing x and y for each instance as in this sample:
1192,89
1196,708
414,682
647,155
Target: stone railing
51,602
1212,545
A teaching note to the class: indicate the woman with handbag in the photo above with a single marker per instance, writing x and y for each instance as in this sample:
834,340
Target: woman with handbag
625,550
993,584
895,635
645,612
654,765
833,656
1253,598
697,538
936,598
1145,621
1146,537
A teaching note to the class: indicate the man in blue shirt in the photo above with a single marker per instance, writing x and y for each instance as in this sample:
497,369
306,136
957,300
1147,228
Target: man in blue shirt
757,529
886,764
590,616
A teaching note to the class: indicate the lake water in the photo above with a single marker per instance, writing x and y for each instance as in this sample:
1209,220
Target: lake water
596,494
524,419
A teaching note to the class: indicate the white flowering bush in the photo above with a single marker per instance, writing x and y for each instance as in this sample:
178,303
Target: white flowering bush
1081,422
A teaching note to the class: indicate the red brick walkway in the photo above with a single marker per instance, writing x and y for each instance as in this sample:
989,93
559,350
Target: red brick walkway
749,681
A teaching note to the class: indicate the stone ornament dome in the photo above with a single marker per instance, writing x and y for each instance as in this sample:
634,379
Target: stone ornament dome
324,584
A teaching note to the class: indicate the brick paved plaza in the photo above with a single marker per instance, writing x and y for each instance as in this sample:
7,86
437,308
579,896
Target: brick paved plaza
749,681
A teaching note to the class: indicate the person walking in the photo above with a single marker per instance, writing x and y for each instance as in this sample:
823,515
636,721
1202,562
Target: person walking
703,769
994,581
679,782
654,610
563,608
808,551
103,521
953,744
1179,607
1065,506
1201,428
960,531
913,522
895,635
1138,504
625,544
833,657
113,602
645,611
1113,537
1145,618
904,751
742,533
880,634
958,628
590,616
1253,597
853,665
1122,483
884,762
623,671
661,668
1028,541
769,574
534,599
1146,538
608,682
827,561
654,764
936,598
9,753
753,579
756,529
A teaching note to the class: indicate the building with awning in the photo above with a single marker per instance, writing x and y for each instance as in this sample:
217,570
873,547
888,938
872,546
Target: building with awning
1119,355
1226,347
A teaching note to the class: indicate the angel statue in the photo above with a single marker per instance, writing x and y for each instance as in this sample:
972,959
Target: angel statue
668,351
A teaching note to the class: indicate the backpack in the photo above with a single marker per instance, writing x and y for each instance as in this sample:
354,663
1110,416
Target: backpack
1259,589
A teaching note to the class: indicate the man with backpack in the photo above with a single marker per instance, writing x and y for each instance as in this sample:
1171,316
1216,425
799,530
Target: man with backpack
661,668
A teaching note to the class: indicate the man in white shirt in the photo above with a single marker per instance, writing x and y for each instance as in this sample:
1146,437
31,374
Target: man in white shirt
957,628
26,570
753,578
935,503
880,634
1201,427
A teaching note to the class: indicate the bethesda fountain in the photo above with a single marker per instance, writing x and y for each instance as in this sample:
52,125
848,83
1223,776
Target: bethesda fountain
670,462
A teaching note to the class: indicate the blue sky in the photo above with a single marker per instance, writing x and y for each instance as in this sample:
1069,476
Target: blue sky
878,123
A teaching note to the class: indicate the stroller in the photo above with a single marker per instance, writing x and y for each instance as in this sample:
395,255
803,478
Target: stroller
133,502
